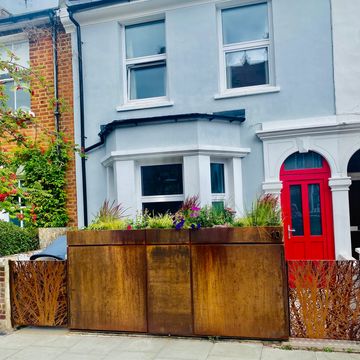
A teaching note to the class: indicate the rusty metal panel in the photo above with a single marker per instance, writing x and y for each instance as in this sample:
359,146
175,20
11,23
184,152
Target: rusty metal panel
324,299
105,237
107,288
242,235
240,290
38,293
167,236
169,290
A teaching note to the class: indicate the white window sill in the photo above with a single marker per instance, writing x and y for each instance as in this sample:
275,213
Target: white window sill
247,91
138,105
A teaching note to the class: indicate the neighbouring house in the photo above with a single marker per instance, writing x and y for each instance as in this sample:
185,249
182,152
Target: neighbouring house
35,34
224,99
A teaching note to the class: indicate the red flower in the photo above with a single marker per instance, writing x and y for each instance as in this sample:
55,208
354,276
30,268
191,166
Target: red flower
3,179
13,176
20,216
34,217
3,196
129,227
13,191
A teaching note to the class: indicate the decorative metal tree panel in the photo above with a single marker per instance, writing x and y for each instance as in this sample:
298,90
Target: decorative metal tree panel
38,293
324,299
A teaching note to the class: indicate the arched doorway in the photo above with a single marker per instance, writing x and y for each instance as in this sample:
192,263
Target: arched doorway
354,201
307,207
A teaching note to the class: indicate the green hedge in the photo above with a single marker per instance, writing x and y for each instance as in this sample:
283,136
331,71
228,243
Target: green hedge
14,240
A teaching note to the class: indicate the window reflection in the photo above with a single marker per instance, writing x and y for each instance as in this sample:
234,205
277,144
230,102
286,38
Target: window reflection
297,222
314,209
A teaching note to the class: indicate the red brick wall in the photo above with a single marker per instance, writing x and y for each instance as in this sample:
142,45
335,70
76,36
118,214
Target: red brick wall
41,59
2,293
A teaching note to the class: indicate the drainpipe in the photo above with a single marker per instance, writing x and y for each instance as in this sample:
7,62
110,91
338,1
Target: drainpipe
55,65
82,118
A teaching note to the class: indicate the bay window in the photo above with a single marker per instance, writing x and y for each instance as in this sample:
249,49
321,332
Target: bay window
162,188
217,175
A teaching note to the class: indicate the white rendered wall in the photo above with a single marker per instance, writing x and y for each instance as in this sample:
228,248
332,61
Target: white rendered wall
346,50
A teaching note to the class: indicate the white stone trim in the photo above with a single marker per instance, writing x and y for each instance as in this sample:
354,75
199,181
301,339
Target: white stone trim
216,151
247,91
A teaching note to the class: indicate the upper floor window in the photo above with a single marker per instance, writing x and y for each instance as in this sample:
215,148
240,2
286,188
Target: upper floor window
246,46
18,97
145,60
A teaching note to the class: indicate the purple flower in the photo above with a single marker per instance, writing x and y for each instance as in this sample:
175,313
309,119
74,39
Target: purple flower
195,208
198,226
180,224
193,226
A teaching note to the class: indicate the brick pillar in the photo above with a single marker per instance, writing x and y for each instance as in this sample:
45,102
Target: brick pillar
41,59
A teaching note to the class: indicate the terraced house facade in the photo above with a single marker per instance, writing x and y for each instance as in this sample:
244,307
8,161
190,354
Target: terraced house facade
225,99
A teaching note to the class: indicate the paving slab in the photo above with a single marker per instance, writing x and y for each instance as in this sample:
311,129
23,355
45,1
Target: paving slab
270,353
38,344
235,349
186,349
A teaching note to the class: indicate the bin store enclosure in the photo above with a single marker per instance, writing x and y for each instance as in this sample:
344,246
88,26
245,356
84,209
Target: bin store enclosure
227,282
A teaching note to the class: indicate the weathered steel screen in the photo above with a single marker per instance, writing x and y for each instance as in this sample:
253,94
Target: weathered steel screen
324,299
212,282
38,293
239,291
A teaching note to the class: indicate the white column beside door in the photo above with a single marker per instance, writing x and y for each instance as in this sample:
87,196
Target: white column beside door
125,185
236,198
197,178
341,214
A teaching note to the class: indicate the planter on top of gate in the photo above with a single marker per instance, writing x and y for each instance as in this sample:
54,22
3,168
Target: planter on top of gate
223,281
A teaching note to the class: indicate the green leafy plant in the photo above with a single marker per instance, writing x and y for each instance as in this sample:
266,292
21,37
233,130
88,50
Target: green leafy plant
33,163
264,212
210,216
164,221
110,217
14,240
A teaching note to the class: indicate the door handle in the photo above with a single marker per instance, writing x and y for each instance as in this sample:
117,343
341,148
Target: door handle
290,230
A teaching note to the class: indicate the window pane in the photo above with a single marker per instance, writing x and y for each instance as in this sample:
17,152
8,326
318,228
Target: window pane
10,93
309,160
314,209
218,205
23,99
163,207
217,178
247,68
245,23
296,210
161,180
145,39
148,81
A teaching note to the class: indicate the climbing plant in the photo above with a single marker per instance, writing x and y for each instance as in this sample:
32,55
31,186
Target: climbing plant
33,160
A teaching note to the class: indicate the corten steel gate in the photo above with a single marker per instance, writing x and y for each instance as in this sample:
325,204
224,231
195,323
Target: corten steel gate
324,299
38,291
212,282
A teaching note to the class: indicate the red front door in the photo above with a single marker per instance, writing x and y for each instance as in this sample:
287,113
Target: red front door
307,213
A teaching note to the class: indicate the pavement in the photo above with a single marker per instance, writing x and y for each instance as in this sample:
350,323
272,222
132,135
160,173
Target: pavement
48,344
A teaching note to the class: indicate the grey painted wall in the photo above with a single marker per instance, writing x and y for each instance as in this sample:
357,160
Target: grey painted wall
303,66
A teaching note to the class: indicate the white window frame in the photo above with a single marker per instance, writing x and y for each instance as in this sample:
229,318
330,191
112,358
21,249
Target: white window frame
10,45
220,196
159,198
225,92
133,104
